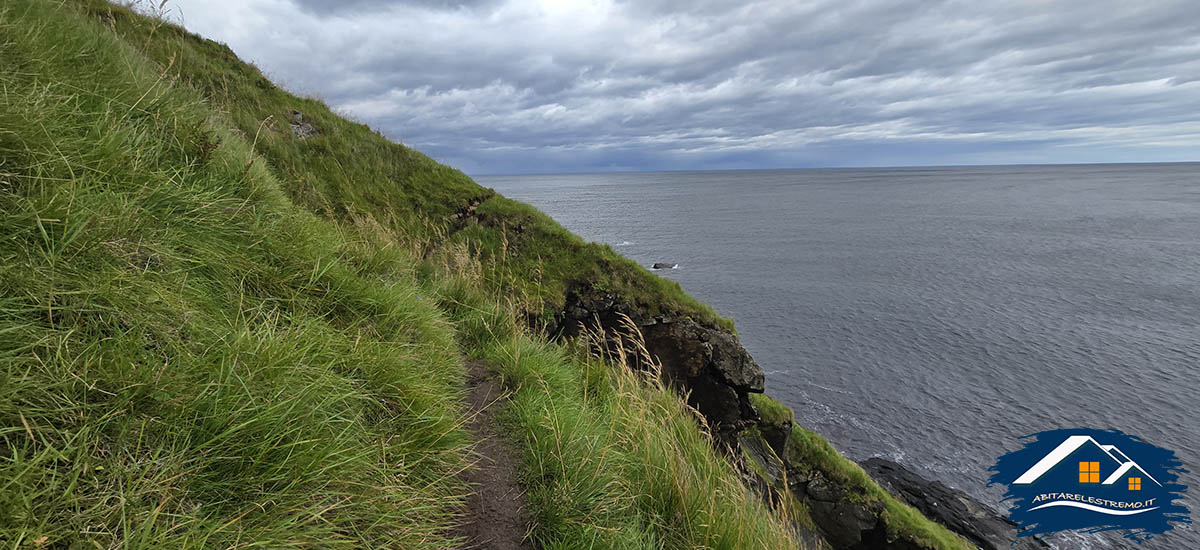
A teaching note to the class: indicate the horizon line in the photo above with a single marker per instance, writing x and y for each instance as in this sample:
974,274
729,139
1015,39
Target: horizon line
818,168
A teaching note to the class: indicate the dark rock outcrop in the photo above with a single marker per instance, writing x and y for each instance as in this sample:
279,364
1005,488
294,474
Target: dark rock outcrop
706,362
974,520
847,522
844,517
780,462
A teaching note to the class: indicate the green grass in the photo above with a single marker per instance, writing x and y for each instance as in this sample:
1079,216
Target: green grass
186,359
615,461
353,175
771,411
611,459
213,334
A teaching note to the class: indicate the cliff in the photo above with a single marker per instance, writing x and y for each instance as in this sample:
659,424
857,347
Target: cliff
230,315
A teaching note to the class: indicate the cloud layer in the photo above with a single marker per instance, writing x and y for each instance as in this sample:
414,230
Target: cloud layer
525,86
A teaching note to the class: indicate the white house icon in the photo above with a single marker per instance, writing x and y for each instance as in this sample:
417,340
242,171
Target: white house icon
1123,464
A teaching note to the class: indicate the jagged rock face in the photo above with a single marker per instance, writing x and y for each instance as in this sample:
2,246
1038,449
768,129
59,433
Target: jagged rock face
975,521
697,350
846,521
776,436
771,467
843,520
704,361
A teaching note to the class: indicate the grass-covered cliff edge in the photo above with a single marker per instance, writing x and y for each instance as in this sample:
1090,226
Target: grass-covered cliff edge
231,318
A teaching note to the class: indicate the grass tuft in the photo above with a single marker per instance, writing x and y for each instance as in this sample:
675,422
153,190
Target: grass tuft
770,410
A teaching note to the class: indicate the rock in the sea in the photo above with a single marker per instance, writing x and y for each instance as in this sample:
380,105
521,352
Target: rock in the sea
974,520
664,265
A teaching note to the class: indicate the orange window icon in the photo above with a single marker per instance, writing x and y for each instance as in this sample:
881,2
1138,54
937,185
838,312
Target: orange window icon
1089,472
1135,484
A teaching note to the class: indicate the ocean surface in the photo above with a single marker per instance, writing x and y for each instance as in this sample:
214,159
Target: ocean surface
934,315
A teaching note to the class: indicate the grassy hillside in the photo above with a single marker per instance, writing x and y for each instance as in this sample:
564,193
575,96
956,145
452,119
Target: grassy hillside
187,359
352,174
212,340
217,333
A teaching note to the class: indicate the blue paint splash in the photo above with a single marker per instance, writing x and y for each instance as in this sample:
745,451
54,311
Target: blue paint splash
1156,477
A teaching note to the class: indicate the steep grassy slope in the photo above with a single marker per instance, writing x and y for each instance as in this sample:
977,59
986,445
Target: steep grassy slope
212,337
350,173
185,358
215,333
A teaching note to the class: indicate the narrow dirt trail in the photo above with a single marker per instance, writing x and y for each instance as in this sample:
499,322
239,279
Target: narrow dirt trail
497,514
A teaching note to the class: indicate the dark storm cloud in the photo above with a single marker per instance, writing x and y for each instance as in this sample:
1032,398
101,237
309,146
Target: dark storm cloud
525,85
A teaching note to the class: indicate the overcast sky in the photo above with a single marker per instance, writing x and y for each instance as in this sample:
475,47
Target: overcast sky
501,86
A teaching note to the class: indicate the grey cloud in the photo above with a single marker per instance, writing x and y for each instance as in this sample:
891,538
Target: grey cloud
378,7
507,85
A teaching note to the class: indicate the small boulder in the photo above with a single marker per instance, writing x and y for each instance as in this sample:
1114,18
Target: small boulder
302,129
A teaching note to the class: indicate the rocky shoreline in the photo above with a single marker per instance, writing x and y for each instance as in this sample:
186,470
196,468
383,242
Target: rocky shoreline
709,365
979,523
